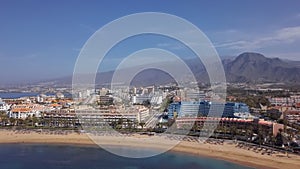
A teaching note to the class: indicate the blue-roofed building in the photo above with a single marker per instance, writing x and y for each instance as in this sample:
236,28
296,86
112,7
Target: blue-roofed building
216,109
241,108
231,108
204,108
189,109
173,110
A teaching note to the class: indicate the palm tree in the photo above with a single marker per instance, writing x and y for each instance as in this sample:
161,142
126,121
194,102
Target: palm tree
73,120
64,121
249,132
261,135
233,131
279,140
142,124
120,123
20,122
35,120
12,121
129,124
113,124
135,124
194,128
28,121
3,118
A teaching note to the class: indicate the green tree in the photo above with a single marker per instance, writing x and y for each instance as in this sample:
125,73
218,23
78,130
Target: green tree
142,124
4,118
279,138
233,131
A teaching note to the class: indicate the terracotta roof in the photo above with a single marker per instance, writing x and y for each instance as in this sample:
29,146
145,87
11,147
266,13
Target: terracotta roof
293,112
22,110
55,105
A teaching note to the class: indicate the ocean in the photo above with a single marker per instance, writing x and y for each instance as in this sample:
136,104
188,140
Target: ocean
15,95
30,156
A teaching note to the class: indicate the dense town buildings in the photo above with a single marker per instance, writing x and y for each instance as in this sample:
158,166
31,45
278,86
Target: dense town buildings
153,107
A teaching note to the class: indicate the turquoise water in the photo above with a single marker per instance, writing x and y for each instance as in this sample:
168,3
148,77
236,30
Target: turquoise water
22,156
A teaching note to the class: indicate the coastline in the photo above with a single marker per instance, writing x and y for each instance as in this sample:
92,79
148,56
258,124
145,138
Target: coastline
227,151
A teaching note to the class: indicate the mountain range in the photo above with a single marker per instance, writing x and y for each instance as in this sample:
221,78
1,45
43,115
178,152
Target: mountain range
256,68
247,67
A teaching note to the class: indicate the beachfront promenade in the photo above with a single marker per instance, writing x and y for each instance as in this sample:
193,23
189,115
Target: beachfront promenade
234,151
263,149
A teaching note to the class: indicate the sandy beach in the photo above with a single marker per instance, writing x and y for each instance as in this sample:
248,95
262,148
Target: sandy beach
229,151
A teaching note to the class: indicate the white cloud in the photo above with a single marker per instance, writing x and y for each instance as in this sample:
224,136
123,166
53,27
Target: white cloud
289,34
232,44
284,36
174,46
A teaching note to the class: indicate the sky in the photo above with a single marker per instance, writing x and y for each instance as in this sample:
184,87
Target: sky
42,39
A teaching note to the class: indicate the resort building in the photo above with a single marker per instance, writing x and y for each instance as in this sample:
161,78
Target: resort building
231,109
189,109
194,95
142,114
241,124
139,99
22,111
3,106
205,108
293,116
173,110
156,100
102,117
60,118
287,101
106,100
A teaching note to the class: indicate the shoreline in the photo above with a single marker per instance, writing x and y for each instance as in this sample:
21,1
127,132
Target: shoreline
226,152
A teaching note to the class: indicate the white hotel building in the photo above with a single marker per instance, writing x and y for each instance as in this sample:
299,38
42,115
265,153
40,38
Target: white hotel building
3,106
